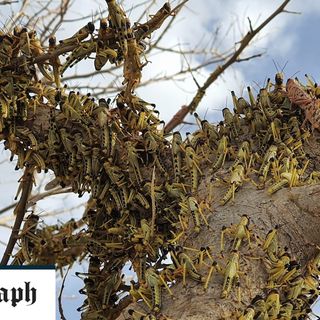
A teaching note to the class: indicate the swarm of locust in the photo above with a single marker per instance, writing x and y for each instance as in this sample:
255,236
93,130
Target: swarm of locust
143,183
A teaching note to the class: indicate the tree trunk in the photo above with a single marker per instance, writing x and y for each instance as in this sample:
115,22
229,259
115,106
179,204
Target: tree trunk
293,211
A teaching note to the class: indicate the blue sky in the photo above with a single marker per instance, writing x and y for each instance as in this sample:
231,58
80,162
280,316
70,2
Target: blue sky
289,38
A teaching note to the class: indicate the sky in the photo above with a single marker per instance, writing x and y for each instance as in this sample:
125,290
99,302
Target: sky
290,40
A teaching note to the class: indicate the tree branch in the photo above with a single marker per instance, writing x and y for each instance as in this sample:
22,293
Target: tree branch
19,211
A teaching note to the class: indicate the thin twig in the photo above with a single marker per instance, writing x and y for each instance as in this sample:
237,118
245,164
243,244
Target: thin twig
249,58
34,199
8,2
60,295
7,208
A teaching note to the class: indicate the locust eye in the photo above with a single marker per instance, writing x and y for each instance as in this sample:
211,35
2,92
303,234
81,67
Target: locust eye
91,27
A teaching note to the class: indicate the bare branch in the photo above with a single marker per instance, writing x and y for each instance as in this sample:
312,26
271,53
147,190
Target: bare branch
60,296
8,2
19,211
33,200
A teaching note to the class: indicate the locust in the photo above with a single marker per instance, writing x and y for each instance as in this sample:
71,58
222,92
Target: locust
120,23
222,152
144,30
55,61
239,232
79,36
83,51
154,283
236,180
132,66
177,153
231,274
193,166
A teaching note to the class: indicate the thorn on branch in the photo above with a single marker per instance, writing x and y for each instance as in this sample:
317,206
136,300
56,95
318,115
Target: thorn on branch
250,25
